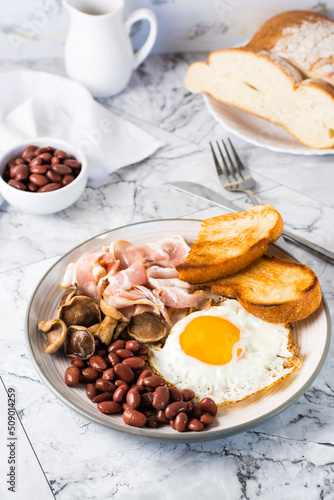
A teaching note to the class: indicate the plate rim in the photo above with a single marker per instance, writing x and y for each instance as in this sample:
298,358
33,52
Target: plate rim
205,435
307,151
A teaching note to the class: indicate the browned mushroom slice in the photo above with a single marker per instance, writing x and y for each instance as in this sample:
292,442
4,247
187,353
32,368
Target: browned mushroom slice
68,294
79,343
106,330
146,327
119,330
80,310
55,332
112,312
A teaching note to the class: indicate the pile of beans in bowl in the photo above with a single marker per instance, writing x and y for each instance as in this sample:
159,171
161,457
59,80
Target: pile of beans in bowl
118,382
40,170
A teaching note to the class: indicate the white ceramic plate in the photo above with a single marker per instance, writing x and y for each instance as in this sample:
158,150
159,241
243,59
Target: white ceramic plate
258,131
311,336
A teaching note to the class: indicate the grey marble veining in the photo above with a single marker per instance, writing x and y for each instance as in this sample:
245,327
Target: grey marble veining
289,456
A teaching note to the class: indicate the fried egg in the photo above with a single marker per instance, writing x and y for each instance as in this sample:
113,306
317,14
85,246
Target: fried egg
225,353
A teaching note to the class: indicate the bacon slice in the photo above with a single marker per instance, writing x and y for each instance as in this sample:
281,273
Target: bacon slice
165,276
169,252
91,272
179,298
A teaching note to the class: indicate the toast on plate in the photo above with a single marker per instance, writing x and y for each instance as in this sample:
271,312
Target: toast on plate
228,243
273,289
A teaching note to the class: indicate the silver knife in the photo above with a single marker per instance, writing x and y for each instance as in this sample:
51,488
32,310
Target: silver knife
211,196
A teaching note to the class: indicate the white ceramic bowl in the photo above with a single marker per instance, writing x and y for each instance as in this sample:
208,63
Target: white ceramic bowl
50,202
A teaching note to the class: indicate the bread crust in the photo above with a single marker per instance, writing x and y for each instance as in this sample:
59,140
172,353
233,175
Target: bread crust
294,300
216,253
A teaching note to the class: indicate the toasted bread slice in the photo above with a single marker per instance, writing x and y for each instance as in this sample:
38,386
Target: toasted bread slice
273,289
228,243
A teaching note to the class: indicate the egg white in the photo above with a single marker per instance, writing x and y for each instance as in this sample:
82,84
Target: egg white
268,356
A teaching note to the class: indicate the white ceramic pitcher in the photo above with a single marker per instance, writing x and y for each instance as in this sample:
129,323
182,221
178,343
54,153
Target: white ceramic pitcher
98,50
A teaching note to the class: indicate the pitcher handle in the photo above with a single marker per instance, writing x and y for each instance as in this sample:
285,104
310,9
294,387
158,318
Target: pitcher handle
139,15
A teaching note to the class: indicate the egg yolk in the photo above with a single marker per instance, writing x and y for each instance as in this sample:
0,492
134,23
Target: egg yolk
210,339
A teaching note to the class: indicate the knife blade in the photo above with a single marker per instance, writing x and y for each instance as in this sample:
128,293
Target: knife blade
211,196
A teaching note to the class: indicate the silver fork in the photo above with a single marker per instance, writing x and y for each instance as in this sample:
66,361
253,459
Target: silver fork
234,176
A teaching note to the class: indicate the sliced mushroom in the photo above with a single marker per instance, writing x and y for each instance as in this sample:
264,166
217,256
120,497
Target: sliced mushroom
55,332
106,330
68,294
80,310
119,330
146,327
112,312
80,342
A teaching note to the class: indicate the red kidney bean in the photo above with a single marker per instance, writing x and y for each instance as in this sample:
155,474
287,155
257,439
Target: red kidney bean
102,352
49,187
132,345
80,363
89,374
133,398
120,382
162,417
175,394
91,391
113,359
17,184
105,385
98,363
55,160
142,350
28,156
118,344
61,169
209,406
174,408
32,187
187,394
134,418
206,419
38,169
154,381
28,150
21,172
152,421
196,411
72,376
124,372
105,396
38,179
160,398
67,179
52,176
120,393
61,154
181,421
72,163
140,388
195,425
125,406
39,151
135,363
124,353
142,376
19,161
35,162
146,399
109,407
45,157
108,374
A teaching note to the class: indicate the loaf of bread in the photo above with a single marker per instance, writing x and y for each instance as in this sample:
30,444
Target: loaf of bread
257,79
228,243
304,38
273,289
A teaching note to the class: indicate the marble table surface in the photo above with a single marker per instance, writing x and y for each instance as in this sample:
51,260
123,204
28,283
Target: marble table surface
63,455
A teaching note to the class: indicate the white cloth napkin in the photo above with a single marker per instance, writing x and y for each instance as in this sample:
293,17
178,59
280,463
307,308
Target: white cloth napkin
41,104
